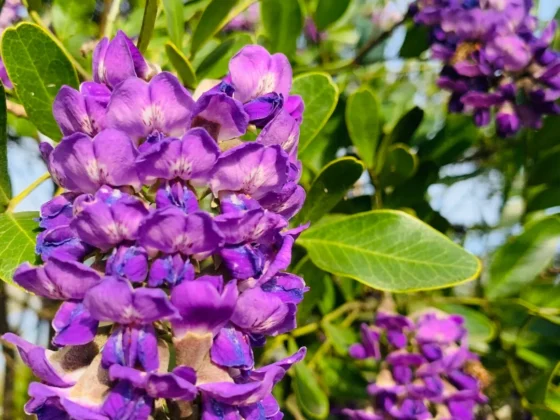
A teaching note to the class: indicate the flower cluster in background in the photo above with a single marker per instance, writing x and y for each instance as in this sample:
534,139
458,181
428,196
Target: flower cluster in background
172,232
426,370
12,12
495,64
246,20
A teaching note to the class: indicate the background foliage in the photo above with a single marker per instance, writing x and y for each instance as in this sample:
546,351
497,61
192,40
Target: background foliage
396,186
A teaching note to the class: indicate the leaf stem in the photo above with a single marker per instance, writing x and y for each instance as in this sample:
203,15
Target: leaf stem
19,198
37,19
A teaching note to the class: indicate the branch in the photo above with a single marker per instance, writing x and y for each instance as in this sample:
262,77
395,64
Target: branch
19,198
17,109
375,41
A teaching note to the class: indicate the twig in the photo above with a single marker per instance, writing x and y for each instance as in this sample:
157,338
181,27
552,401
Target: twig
9,358
19,198
111,11
17,109
375,41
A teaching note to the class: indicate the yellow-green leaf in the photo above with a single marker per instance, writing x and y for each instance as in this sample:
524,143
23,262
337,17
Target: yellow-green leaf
5,185
17,241
363,122
181,64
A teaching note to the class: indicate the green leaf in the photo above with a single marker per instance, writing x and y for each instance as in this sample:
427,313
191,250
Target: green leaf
389,250
315,279
328,298
363,122
310,397
481,329
522,259
400,164
148,23
214,18
341,338
328,12
320,95
542,296
544,199
215,64
181,64
17,241
38,67
329,187
416,41
404,130
546,169
5,184
175,25
282,21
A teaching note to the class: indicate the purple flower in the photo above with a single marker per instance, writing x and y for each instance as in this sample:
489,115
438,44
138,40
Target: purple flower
166,243
423,369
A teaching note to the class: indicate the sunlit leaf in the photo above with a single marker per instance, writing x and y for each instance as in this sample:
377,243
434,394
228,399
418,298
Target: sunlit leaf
5,184
148,22
363,122
181,64
17,241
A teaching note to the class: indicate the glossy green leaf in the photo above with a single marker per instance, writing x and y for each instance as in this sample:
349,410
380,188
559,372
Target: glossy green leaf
544,199
148,23
17,241
38,67
214,18
320,95
329,187
328,12
363,122
282,21
400,164
522,259
417,41
404,130
389,250
5,184
481,329
181,64
215,64
174,16
312,400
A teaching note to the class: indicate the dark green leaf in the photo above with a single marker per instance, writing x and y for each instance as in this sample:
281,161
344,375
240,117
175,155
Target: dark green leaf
38,68
400,164
5,184
181,64
17,241
544,199
363,122
175,25
328,298
214,18
215,64
404,130
329,188
519,261
546,169
416,41
389,250
343,380
542,295
148,23
320,96
328,12
315,279
310,397
282,21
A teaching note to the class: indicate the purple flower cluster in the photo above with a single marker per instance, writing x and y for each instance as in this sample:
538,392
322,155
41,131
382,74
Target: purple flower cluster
170,245
494,61
12,12
426,370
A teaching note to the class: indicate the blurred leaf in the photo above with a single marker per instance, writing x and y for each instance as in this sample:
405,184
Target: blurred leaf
400,164
481,329
312,400
544,413
175,25
328,298
544,199
73,19
38,68
328,12
348,287
389,250
181,64
17,241
363,122
282,21
329,187
341,338
542,295
5,184
320,96
546,169
416,41
547,136
537,343
214,18
315,279
523,258
148,22
343,380
406,127
215,64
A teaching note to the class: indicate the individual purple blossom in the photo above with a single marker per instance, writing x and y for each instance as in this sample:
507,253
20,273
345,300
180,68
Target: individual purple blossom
171,238
424,367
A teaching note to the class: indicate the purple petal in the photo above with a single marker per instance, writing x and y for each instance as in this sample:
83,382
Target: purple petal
57,211
220,115
171,269
73,325
62,243
283,130
130,263
177,195
263,109
231,348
